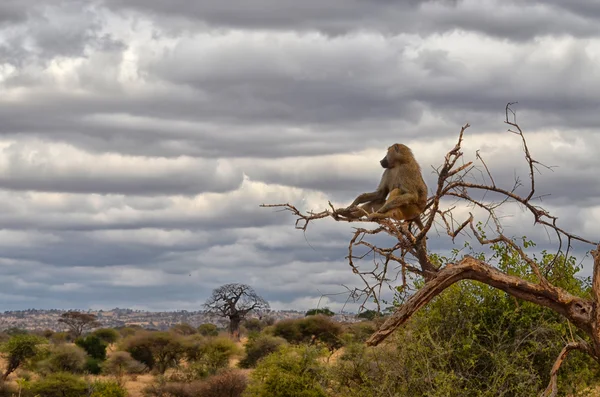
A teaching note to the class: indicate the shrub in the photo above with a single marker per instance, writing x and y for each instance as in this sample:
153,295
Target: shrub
108,335
173,389
64,358
360,332
92,366
289,330
228,383
289,372
253,325
93,345
208,330
183,329
157,350
107,389
309,329
205,357
121,363
59,385
259,347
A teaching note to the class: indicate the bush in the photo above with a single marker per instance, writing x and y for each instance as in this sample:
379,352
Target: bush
183,329
205,356
208,330
173,389
228,383
59,385
64,358
93,345
253,325
108,335
259,347
289,372
92,366
121,363
309,329
107,389
360,332
157,350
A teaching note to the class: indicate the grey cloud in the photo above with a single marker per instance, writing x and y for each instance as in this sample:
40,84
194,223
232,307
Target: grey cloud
513,20
126,135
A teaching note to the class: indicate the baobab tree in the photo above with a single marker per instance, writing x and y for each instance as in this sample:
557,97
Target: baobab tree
235,302
458,182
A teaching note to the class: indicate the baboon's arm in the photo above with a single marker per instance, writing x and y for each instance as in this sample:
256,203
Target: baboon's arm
403,199
366,197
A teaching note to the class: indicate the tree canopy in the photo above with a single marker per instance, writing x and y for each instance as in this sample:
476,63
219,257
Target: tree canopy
235,302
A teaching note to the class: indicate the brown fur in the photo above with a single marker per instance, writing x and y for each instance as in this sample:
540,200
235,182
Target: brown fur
403,181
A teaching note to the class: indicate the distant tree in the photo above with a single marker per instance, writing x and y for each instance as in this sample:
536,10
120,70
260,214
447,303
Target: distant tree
368,314
108,335
18,349
78,322
324,310
93,346
184,329
235,301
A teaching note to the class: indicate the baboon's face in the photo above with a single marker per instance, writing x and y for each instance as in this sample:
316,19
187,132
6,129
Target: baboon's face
391,157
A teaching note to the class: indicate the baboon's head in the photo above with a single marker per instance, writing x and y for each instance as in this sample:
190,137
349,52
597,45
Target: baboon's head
396,154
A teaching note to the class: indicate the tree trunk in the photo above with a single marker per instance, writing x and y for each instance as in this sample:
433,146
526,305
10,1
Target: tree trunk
234,326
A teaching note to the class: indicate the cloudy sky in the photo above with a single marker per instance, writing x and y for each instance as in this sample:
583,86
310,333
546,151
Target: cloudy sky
138,137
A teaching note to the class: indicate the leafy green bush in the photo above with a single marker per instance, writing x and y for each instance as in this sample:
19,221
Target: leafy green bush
157,350
107,389
205,356
292,371
309,329
64,358
92,366
93,345
108,335
208,330
121,363
259,347
59,385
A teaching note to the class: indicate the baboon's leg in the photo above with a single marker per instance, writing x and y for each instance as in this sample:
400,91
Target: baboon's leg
404,199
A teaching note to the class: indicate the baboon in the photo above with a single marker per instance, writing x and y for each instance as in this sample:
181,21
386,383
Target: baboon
403,181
